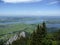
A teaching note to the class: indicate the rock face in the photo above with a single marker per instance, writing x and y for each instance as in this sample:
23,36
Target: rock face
23,34
15,37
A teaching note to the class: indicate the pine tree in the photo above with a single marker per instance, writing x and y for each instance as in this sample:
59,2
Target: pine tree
38,35
33,39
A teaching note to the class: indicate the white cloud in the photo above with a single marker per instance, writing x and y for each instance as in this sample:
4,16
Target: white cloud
54,2
20,1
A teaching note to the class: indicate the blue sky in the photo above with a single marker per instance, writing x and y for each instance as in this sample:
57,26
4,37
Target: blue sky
29,7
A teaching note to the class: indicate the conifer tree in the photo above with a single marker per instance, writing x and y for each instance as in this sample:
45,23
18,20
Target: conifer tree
38,35
33,39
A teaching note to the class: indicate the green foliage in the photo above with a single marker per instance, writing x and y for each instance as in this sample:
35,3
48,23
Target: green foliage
54,43
21,41
1,42
57,35
46,42
38,35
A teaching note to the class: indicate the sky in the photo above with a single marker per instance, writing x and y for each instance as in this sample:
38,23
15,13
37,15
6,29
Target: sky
29,7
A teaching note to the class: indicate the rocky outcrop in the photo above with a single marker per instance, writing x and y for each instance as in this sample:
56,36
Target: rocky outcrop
16,37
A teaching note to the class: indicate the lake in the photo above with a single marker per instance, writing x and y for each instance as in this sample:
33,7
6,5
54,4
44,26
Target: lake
33,20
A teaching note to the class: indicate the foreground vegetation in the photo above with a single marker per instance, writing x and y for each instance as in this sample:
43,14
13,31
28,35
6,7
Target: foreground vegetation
40,36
